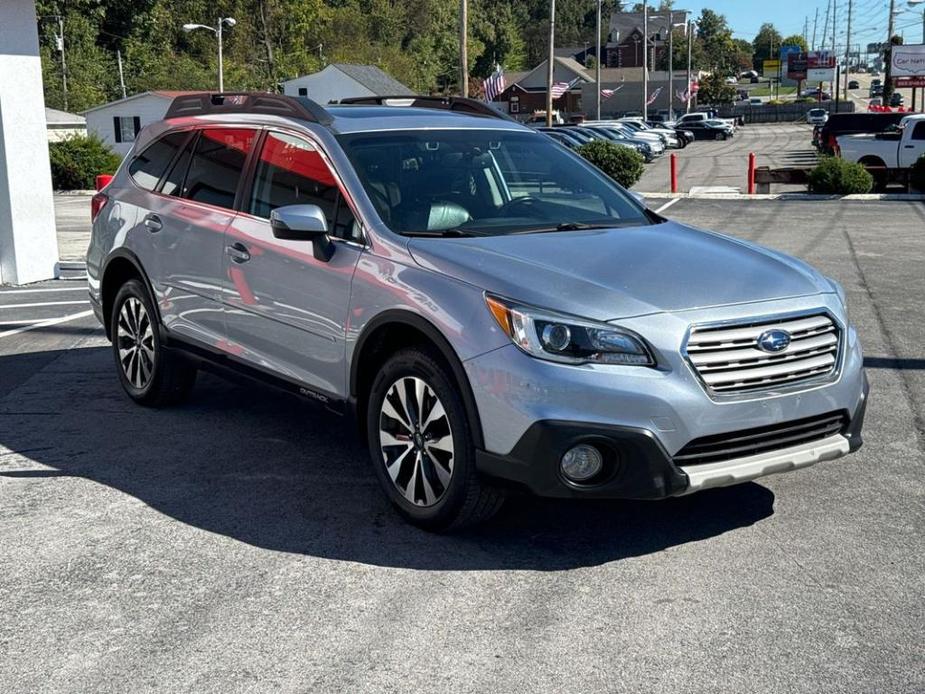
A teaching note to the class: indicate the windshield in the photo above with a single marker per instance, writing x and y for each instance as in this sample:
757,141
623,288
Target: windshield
484,182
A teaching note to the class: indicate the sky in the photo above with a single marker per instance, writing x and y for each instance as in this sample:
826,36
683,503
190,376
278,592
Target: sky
869,19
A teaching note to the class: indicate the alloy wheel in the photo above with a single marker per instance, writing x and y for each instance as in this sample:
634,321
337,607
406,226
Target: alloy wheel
416,441
135,339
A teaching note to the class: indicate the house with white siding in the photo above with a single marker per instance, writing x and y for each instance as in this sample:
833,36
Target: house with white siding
343,81
118,122
61,125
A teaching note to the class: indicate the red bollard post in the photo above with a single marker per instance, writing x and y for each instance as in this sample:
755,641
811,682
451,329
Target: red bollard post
751,173
674,172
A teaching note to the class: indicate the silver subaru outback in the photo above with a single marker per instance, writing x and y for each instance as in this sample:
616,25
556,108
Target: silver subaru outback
496,313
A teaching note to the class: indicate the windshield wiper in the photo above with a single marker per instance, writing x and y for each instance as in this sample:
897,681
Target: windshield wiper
567,226
441,234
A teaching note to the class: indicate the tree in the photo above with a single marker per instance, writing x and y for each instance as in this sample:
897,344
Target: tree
716,39
715,91
742,52
766,45
795,40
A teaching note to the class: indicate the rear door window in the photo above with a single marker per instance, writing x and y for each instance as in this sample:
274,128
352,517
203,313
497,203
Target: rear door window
216,165
147,168
173,181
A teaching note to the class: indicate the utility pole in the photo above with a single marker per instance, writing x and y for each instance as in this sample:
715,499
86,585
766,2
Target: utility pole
463,48
825,26
60,41
806,29
888,68
848,48
690,44
815,26
551,61
645,59
121,76
834,23
597,63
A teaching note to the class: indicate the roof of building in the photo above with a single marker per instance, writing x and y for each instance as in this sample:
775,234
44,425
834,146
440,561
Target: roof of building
55,117
161,93
624,23
373,78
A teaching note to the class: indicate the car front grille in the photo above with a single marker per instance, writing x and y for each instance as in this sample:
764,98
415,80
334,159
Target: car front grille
728,360
741,444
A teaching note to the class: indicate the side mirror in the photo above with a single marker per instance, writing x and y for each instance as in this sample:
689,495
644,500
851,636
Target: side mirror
303,223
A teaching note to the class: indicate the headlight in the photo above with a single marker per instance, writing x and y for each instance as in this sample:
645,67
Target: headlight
567,339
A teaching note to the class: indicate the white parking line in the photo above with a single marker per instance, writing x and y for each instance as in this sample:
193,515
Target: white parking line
46,323
44,303
666,205
43,289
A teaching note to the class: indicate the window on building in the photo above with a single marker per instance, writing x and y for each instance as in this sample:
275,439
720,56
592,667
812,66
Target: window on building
292,172
515,104
125,128
217,164
147,168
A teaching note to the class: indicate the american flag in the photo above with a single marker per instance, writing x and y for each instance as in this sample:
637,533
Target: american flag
607,93
560,88
653,96
494,84
684,95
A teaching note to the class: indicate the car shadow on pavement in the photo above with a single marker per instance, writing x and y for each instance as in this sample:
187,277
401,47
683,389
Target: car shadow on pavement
272,471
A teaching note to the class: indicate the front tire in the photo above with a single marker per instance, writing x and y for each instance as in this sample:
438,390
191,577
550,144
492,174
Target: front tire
420,442
149,374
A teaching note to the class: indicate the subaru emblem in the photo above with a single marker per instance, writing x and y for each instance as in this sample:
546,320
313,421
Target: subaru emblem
774,340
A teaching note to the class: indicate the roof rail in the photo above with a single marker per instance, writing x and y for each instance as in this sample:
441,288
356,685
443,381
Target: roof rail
207,103
473,107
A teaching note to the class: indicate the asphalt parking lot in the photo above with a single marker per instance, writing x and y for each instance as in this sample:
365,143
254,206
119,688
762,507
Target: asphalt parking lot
725,162
239,543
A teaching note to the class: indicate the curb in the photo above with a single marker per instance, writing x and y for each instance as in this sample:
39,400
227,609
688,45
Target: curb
908,197
74,192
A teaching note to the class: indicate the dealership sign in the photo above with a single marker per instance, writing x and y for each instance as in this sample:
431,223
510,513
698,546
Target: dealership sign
770,69
815,66
908,82
908,61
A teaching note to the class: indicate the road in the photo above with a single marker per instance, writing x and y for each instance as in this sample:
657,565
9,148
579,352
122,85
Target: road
239,543
725,163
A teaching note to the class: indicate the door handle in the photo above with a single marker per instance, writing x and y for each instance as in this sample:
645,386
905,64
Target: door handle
910,146
153,223
237,252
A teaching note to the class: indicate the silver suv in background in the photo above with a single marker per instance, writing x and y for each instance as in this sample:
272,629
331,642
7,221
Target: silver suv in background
496,313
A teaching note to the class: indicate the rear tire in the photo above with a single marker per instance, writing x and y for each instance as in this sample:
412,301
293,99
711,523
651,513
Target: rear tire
150,374
420,442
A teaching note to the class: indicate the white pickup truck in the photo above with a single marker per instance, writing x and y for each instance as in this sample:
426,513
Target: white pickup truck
898,148
700,116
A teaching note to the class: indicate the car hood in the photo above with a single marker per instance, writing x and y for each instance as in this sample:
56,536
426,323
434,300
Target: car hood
617,273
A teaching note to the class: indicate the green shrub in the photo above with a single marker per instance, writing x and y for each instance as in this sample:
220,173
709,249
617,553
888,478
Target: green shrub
77,161
917,177
834,175
622,164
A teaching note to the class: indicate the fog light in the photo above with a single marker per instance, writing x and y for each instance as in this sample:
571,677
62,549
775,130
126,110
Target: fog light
581,463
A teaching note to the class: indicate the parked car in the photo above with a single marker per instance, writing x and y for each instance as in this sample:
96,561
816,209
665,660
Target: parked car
562,137
895,148
853,123
755,101
669,135
710,129
875,102
854,84
748,74
648,149
817,116
896,99
495,311
690,118
875,91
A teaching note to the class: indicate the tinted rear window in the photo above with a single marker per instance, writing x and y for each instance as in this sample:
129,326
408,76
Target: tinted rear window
147,168
217,164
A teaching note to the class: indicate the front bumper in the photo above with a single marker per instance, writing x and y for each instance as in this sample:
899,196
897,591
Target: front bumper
638,467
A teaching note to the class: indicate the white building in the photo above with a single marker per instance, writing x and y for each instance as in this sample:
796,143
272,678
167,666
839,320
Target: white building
341,81
61,124
118,122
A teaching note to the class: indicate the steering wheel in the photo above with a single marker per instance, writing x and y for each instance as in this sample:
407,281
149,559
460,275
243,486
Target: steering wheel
525,206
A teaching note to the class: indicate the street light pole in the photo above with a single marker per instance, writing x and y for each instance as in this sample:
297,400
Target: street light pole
670,63
551,61
463,48
597,63
217,30
645,58
848,48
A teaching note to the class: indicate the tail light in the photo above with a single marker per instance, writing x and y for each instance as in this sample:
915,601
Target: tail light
97,203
